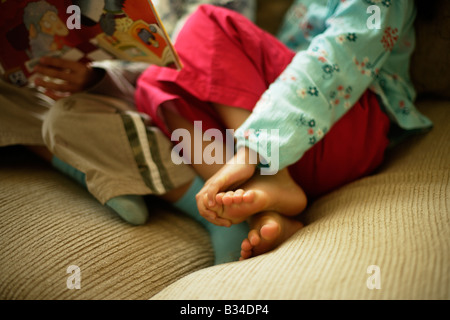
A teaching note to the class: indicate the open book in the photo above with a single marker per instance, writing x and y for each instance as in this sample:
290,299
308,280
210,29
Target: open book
80,30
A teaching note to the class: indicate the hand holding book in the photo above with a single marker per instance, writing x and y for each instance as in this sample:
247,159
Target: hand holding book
60,77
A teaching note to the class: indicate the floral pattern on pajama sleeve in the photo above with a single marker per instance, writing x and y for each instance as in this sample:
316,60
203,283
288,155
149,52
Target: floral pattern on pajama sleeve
338,59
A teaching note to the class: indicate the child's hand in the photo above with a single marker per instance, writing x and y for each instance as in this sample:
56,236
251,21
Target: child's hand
234,173
75,76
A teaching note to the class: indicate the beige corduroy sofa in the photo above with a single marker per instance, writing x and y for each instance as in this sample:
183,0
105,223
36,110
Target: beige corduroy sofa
396,219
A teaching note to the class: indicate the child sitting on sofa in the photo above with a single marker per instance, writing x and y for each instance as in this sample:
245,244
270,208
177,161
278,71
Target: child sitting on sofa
333,100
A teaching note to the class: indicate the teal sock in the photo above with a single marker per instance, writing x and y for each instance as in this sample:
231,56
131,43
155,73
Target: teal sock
130,208
69,171
226,242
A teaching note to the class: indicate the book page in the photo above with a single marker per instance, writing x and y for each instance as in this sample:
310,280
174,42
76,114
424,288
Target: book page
80,30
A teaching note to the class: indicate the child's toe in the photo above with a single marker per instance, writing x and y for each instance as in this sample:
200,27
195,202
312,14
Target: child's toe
246,245
238,196
227,199
219,198
254,237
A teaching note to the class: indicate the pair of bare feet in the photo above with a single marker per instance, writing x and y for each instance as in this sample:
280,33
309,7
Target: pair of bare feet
268,203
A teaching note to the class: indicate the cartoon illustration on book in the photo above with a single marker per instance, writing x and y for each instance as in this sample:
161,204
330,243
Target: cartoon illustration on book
125,34
123,29
46,30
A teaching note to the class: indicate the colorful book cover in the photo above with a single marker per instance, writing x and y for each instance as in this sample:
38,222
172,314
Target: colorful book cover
80,30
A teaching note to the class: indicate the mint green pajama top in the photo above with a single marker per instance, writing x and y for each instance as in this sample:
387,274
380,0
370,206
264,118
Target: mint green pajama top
343,48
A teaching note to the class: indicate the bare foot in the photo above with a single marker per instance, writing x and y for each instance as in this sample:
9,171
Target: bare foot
277,193
268,231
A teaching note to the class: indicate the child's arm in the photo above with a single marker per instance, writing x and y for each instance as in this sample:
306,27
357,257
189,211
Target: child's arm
115,78
326,79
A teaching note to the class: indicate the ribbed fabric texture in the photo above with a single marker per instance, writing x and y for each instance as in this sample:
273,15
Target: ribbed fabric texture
397,219
49,223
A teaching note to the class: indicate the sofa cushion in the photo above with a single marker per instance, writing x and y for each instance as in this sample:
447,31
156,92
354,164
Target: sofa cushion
430,67
49,223
397,219
270,14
